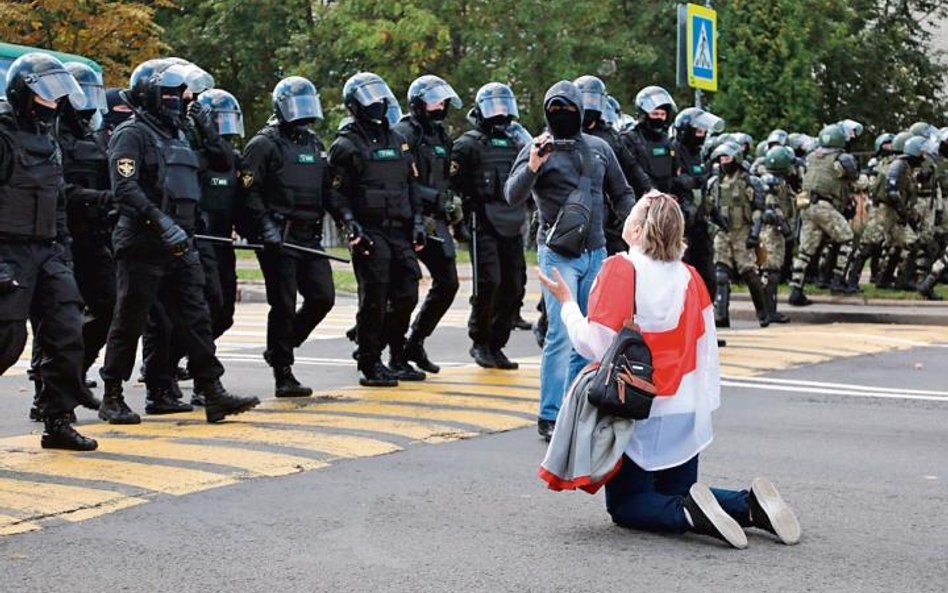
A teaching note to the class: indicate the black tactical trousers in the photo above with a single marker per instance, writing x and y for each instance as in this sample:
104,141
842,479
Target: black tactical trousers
388,292
178,284
501,275
287,274
47,295
94,268
440,260
221,224
700,253
164,342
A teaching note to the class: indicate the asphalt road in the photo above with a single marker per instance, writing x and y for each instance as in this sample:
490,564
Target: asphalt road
865,468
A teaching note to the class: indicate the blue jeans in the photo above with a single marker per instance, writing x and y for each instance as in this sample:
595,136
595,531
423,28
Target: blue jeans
652,501
561,363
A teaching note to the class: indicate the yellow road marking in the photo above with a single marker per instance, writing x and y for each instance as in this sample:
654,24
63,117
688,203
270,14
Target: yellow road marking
335,445
313,415
531,393
13,526
438,398
73,503
485,420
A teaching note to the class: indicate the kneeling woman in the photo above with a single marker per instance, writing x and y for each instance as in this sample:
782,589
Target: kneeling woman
656,488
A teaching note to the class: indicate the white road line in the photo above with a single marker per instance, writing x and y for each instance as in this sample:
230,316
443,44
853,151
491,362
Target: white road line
840,386
824,391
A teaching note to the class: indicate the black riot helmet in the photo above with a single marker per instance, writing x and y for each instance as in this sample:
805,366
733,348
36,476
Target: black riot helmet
225,111
296,101
650,99
157,86
431,90
494,106
197,79
118,109
367,97
593,91
93,90
612,112
43,76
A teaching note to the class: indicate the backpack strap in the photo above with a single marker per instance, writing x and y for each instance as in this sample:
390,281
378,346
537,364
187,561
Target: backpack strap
630,323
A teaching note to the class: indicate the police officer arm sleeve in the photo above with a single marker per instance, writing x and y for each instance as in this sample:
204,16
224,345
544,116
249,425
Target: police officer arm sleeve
6,159
521,180
892,178
850,167
219,156
126,159
616,186
336,203
343,167
84,195
257,161
461,167
633,170
414,187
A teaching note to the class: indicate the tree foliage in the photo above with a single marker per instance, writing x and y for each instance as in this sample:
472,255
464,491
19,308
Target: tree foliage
118,35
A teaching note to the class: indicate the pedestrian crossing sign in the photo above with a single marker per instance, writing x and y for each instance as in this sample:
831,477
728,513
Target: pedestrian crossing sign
701,35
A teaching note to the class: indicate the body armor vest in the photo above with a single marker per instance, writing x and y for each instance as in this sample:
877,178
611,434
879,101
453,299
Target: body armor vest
178,182
381,190
822,178
492,165
433,159
28,200
735,201
659,159
86,165
295,190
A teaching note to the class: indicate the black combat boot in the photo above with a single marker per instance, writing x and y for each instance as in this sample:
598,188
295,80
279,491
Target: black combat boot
59,434
888,267
415,352
218,403
708,518
522,324
503,362
927,288
89,383
87,399
287,385
797,298
403,370
839,286
773,282
375,374
162,400
769,512
756,289
197,397
722,296
482,356
855,269
114,410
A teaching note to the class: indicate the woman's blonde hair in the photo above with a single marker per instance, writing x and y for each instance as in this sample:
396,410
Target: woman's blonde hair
662,224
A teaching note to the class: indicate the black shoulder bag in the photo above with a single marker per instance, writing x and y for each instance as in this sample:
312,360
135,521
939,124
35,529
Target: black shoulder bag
623,384
569,232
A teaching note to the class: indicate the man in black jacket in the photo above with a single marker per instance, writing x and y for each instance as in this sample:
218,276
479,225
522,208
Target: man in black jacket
550,170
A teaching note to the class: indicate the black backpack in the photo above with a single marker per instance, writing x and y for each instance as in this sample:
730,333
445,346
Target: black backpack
623,384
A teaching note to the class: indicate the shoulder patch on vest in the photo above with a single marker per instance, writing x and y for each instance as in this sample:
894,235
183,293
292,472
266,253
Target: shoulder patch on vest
405,147
455,168
125,167
246,178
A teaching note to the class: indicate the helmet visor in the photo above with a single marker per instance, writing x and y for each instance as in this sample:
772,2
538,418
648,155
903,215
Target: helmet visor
296,107
53,85
708,122
441,92
609,113
394,111
594,101
229,123
93,98
372,92
655,98
494,106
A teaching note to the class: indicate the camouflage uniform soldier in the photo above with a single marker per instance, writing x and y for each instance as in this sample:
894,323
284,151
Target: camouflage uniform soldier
927,286
828,173
894,190
778,211
738,204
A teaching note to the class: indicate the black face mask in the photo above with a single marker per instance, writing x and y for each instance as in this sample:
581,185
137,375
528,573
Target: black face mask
657,125
884,152
498,123
171,106
375,112
730,168
43,114
563,123
438,115
590,118
915,161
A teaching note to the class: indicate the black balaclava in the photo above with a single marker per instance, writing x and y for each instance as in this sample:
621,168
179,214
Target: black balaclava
498,124
732,167
118,111
564,124
591,118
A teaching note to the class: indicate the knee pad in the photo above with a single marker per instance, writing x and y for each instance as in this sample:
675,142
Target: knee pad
722,274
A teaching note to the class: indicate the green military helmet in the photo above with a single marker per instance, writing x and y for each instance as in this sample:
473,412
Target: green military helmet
833,136
779,159
778,136
761,149
743,138
923,129
898,143
915,146
883,138
727,148
853,128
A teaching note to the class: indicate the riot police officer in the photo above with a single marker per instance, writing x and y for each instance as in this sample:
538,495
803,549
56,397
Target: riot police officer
829,170
286,189
429,99
156,186
648,141
739,203
35,276
692,126
595,105
775,221
480,163
374,171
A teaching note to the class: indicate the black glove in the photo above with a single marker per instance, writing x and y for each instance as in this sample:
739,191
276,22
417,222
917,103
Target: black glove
63,244
419,233
462,233
270,233
8,281
769,216
752,242
201,116
172,236
354,232
720,219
